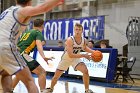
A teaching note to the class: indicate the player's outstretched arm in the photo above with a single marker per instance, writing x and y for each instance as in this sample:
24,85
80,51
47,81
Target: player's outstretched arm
40,49
40,9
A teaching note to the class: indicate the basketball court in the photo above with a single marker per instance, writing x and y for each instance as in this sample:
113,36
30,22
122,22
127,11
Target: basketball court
75,85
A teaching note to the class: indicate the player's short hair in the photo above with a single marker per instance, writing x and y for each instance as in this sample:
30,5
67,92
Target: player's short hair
38,22
22,2
79,25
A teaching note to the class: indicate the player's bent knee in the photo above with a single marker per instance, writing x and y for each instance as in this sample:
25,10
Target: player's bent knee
42,73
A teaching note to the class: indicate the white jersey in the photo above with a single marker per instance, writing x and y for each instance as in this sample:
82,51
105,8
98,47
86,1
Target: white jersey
66,61
10,58
77,48
9,25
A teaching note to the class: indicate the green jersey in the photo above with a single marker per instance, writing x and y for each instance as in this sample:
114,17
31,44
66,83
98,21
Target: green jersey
27,43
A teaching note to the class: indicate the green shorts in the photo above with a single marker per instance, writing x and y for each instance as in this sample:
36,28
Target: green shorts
32,64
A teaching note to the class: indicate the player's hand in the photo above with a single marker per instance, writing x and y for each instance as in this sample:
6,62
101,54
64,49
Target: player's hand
61,2
87,56
46,59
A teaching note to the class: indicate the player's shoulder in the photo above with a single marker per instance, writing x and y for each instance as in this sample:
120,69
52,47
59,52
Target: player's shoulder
69,40
37,33
11,8
25,8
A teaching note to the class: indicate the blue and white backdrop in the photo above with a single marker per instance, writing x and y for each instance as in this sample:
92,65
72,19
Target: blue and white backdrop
61,29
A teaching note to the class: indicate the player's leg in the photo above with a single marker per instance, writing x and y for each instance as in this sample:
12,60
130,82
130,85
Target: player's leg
6,78
35,67
82,68
41,73
26,77
15,81
6,82
54,80
14,64
62,66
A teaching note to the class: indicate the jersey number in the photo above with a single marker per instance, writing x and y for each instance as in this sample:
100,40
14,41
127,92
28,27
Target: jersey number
75,51
25,36
3,15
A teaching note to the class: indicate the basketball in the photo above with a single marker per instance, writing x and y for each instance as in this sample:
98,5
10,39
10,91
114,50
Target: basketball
97,56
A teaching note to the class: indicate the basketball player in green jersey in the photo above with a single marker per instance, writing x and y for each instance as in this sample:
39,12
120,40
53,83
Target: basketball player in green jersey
12,22
30,40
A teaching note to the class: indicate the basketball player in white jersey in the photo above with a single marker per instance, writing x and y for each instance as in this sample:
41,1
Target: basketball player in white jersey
12,22
71,57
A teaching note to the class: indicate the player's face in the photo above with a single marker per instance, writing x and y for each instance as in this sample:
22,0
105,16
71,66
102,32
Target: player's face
78,30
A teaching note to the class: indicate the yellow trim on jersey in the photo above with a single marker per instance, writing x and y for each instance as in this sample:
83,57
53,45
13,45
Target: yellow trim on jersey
29,48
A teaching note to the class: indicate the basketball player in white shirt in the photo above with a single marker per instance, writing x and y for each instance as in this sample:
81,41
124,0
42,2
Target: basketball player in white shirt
71,57
12,21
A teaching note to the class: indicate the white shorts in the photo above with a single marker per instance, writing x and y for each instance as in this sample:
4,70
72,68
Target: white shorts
64,63
10,59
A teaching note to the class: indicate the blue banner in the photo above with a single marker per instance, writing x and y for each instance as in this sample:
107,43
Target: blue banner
61,29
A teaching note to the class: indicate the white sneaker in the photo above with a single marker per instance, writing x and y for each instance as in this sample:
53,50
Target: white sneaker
89,91
47,90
